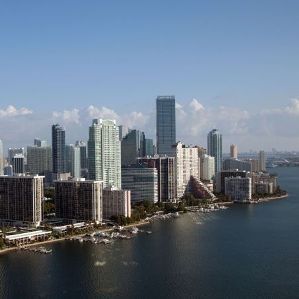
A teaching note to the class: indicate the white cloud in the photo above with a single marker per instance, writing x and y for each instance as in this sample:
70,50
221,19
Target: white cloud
102,112
12,111
294,107
196,105
68,116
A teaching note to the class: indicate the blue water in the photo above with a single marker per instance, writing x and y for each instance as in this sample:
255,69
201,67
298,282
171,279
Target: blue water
247,251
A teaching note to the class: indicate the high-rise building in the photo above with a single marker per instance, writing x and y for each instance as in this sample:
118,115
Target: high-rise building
165,125
123,131
254,164
79,200
207,167
39,159
220,178
143,183
116,203
149,148
18,164
262,161
238,188
104,154
1,158
187,166
234,151
215,148
166,175
83,154
39,143
58,149
132,147
8,170
73,163
21,199
15,151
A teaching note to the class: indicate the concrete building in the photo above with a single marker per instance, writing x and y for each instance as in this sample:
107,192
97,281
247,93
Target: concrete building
15,151
165,125
132,147
116,203
207,168
214,142
238,188
104,153
58,149
18,164
21,199
264,183
79,200
236,164
8,170
143,183
149,148
187,165
233,151
220,178
166,175
40,143
262,161
73,160
39,159
83,157
254,164
123,131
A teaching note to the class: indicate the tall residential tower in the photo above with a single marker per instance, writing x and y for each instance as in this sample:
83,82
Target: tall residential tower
58,149
215,148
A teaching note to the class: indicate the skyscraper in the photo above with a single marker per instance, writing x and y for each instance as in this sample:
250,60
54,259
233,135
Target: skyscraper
132,147
234,151
1,158
104,156
58,148
18,164
215,148
73,163
165,125
262,161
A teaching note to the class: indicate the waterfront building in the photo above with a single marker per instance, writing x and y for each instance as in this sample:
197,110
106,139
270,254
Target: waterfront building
220,178
79,200
116,202
233,151
143,183
166,175
262,161
21,238
21,200
264,183
132,147
236,164
104,153
215,148
165,125
238,188
18,164
254,164
39,159
207,167
58,149
187,166
1,158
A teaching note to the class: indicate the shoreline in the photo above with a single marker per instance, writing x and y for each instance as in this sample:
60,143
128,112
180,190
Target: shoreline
266,199
9,249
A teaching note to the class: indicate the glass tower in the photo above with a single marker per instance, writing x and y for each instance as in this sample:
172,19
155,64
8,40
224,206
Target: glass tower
165,125
58,149
215,148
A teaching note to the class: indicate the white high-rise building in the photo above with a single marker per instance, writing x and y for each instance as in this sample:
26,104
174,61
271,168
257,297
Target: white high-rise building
187,165
238,188
104,154
207,167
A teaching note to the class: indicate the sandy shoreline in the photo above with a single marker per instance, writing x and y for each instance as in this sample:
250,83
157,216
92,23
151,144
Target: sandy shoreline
9,249
272,198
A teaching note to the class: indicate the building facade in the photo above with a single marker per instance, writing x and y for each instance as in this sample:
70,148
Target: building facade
238,189
79,200
165,125
39,159
220,178
18,164
21,199
236,164
116,203
104,153
1,158
207,167
143,183
262,161
233,151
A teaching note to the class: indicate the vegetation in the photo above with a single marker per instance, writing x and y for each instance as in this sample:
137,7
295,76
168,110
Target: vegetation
49,192
2,244
49,207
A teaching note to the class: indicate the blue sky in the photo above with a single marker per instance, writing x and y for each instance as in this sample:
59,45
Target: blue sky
233,57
